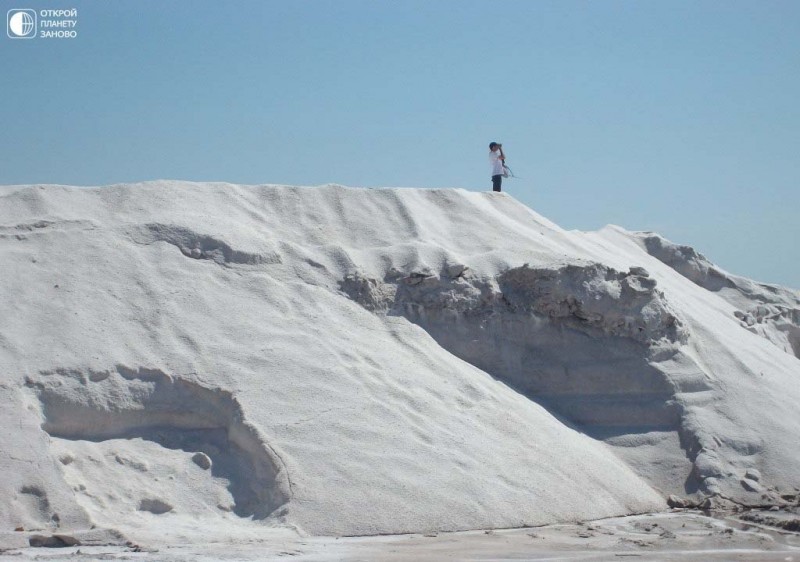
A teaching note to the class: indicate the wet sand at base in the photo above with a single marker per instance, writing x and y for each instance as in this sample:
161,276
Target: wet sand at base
664,536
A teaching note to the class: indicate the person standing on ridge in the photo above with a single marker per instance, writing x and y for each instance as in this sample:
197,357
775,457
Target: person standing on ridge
497,160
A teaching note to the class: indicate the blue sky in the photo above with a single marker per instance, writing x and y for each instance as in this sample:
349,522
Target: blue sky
673,116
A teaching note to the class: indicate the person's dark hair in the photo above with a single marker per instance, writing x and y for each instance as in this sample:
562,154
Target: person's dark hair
492,145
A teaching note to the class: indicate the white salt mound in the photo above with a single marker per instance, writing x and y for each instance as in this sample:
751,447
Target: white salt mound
351,361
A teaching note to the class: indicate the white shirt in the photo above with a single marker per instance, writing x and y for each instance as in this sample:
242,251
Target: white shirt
496,163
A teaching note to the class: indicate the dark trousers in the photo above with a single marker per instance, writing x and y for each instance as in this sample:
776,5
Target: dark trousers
496,182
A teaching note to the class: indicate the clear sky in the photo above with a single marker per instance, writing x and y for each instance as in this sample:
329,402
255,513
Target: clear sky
681,117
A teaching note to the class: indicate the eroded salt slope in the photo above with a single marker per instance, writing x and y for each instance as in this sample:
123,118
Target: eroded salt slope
356,361
770,311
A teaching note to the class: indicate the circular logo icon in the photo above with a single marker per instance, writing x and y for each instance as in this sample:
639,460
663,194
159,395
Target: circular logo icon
21,23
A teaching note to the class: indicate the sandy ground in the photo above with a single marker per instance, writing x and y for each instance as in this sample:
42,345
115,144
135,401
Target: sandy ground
665,536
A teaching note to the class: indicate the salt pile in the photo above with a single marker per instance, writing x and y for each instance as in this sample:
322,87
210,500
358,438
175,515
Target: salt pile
343,361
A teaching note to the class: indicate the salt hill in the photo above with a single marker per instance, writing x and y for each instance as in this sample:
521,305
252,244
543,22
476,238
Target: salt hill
356,361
